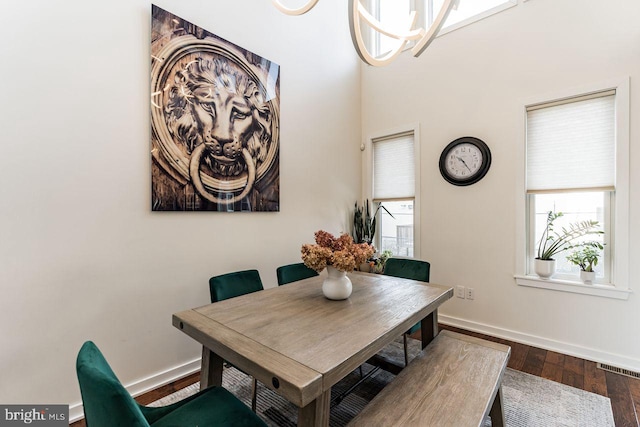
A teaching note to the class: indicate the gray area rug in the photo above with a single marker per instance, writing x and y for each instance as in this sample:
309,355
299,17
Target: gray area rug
528,400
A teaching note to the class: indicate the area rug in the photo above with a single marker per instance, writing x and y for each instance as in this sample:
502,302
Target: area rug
528,401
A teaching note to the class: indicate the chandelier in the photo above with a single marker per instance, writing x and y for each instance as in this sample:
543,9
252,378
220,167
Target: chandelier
358,15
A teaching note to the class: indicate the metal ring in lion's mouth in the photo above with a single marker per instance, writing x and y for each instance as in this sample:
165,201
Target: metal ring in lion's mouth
194,172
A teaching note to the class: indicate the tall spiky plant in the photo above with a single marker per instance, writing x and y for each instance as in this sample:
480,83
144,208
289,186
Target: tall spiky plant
364,225
553,242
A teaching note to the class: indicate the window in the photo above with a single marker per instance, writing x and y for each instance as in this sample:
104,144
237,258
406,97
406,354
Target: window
467,11
393,15
395,233
570,169
394,183
576,206
404,235
576,159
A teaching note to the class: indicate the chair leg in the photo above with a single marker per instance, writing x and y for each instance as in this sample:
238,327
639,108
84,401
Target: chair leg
360,367
254,397
406,354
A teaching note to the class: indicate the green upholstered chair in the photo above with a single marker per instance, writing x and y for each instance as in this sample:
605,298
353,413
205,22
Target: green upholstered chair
108,404
408,269
232,285
293,273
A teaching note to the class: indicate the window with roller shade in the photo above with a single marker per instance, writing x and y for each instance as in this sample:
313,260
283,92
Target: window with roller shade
571,165
394,188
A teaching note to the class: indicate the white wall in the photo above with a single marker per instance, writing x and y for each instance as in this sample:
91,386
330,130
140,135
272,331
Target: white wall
83,257
81,254
471,82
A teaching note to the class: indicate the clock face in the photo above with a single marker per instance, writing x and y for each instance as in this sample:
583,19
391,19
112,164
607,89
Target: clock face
465,161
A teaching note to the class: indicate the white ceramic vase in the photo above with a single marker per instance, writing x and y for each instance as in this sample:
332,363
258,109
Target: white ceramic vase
337,285
587,277
545,268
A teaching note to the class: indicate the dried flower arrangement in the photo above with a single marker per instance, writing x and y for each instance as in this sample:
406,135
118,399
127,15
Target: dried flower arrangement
341,253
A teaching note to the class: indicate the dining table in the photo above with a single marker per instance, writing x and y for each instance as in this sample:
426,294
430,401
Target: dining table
300,344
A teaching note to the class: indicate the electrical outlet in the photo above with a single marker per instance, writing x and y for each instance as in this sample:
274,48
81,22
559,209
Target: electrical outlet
471,293
460,291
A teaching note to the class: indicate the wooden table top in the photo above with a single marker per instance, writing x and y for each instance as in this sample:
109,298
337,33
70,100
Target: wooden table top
296,341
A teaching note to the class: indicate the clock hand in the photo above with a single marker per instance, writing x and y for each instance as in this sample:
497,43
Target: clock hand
463,162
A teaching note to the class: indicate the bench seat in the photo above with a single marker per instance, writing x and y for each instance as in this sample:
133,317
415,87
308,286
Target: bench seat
454,381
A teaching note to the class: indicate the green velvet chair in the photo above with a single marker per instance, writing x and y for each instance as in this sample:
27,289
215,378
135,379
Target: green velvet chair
108,404
293,273
233,285
408,269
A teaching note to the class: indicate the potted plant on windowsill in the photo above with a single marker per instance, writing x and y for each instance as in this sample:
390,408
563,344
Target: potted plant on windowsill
553,242
364,224
586,259
364,228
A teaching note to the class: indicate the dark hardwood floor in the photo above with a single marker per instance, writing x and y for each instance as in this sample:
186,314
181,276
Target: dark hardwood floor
623,391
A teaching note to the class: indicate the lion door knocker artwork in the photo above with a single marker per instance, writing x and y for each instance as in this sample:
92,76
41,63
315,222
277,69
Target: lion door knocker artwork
214,122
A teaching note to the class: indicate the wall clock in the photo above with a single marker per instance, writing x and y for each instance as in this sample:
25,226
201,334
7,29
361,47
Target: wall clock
465,161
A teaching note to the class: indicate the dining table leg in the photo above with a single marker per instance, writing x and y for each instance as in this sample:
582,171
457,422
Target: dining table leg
211,370
429,328
316,413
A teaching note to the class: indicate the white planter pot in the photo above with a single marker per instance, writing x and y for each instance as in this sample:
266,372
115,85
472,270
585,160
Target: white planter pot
337,285
588,277
545,268
365,267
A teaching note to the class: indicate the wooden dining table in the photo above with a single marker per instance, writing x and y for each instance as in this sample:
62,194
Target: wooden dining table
300,344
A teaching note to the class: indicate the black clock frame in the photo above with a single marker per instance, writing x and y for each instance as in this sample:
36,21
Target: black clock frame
484,167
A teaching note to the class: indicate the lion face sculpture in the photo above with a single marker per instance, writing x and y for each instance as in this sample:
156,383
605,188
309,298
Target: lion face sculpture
215,121
215,104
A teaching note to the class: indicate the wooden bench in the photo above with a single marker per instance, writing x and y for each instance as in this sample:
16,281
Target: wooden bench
454,381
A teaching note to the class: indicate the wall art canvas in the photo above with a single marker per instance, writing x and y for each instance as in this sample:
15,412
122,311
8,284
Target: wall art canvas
214,122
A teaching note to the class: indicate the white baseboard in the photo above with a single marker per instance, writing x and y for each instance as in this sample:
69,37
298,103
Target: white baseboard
545,343
137,388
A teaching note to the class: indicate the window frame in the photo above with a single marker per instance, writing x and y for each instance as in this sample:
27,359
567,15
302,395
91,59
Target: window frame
619,226
367,180
507,4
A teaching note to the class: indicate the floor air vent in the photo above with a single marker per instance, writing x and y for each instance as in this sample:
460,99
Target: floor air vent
620,371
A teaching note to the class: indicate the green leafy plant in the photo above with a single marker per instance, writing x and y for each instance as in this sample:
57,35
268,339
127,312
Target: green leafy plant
586,258
553,242
364,225
377,263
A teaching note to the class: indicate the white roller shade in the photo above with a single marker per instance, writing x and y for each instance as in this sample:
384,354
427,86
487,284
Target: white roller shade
571,144
394,167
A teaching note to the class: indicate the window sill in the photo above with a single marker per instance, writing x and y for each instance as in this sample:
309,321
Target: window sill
605,291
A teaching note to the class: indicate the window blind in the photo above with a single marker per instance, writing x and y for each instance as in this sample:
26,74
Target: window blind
393,167
571,144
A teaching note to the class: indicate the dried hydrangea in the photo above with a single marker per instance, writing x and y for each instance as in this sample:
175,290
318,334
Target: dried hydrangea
343,242
343,260
361,252
341,253
315,257
324,239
